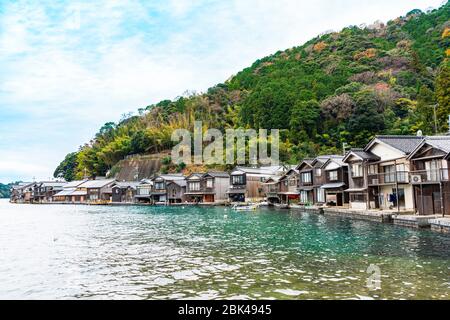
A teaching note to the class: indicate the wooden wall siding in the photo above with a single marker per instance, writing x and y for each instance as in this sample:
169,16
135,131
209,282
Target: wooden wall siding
283,187
319,180
175,192
342,176
428,199
254,189
221,186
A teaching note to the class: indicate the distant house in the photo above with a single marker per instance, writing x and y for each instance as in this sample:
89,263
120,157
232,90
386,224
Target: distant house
70,194
430,163
216,185
306,182
143,191
195,190
22,192
96,190
359,161
389,178
44,191
319,177
271,189
159,193
176,190
288,187
246,184
124,191
209,187
336,181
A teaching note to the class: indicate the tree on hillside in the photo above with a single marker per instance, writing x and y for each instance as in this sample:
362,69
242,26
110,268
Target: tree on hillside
304,118
443,96
366,120
67,167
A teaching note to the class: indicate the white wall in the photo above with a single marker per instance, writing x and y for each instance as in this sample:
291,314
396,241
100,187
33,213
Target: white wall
385,153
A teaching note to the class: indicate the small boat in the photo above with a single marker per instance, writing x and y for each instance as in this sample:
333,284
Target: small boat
250,207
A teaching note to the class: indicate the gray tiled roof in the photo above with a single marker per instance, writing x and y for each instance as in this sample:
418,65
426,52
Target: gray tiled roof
439,142
217,174
96,183
406,144
74,184
127,184
365,155
324,159
258,171
170,177
181,183
54,184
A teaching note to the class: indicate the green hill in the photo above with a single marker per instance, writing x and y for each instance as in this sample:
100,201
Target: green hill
342,87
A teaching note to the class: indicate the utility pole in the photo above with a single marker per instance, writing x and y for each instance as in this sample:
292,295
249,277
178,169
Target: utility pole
344,147
448,124
435,119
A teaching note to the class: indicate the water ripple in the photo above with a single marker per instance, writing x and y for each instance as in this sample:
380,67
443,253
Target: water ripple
66,252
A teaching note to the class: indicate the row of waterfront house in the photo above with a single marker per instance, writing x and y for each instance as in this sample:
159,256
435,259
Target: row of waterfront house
401,173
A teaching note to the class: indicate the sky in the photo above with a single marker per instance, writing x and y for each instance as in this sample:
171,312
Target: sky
67,67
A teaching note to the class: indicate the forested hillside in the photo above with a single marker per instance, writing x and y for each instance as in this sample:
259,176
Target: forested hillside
341,87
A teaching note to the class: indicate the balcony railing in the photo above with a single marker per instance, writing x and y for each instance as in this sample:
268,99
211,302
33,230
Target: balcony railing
429,176
238,187
388,178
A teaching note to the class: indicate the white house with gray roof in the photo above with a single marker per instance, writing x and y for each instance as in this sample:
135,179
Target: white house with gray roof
388,178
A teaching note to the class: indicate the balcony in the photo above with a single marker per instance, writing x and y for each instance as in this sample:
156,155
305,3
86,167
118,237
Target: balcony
388,178
429,176
272,194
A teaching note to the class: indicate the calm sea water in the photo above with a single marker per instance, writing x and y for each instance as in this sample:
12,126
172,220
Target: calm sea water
67,252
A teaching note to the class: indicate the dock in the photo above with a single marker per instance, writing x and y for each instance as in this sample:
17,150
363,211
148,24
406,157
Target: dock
382,216
440,225
414,221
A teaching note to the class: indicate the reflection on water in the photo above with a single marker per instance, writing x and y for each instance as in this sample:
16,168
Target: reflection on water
68,252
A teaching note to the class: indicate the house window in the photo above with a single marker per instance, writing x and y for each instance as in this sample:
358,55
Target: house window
144,191
444,170
306,177
209,183
318,172
303,197
320,195
159,185
373,169
389,174
357,170
238,180
402,173
194,186
292,182
333,175
432,168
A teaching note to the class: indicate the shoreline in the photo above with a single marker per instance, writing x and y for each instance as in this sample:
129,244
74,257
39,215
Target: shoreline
405,219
